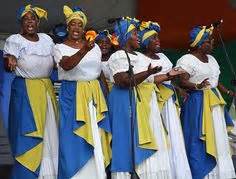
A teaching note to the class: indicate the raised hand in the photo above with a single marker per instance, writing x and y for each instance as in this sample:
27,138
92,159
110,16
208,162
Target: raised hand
176,72
89,44
154,70
203,84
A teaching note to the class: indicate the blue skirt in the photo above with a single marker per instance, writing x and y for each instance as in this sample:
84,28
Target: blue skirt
21,122
74,151
201,163
120,116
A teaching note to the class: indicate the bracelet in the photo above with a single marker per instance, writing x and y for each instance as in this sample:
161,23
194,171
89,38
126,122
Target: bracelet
196,86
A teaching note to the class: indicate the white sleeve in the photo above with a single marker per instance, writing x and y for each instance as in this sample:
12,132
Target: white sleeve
46,37
118,62
186,63
98,51
48,40
12,46
166,63
215,65
57,54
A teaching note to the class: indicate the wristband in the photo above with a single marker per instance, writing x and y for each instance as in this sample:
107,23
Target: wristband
196,86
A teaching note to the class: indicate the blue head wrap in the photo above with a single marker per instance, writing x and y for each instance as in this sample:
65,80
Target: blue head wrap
199,35
148,29
123,29
60,31
103,34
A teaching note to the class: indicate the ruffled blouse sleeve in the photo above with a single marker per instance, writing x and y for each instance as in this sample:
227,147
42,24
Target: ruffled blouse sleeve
12,46
187,63
118,62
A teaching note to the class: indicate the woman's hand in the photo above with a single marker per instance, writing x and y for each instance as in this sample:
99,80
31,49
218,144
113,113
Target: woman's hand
10,62
203,84
175,72
88,45
231,93
154,70
182,93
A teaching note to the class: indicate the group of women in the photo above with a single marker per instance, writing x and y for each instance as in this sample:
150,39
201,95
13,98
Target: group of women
118,114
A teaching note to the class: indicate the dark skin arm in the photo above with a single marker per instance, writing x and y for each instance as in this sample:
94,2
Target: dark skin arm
181,91
68,63
223,89
175,72
185,84
10,62
123,80
158,79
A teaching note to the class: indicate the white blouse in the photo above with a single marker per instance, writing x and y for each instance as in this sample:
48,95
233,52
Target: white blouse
200,71
34,59
165,63
118,63
89,68
106,70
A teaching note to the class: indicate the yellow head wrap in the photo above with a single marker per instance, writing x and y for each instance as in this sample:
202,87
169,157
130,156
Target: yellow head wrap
77,13
41,13
198,35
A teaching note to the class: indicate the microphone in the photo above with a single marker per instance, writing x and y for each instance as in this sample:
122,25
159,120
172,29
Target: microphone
113,20
215,24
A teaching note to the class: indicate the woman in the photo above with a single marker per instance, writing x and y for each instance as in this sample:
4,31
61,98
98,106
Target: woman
167,98
104,41
146,147
84,137
33,109
203,120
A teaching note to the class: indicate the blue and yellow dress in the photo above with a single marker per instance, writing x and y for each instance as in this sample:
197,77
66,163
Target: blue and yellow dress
33,109
150,142
84,128
169,107
204,122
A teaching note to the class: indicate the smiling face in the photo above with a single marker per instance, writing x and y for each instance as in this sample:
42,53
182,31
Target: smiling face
105,45
29,23
154,43
75,29
134,40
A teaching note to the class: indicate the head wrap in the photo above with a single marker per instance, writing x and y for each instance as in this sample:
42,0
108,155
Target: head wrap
90,35
105,34
75,13
199,35
123,29
41,13
60,32
148,29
